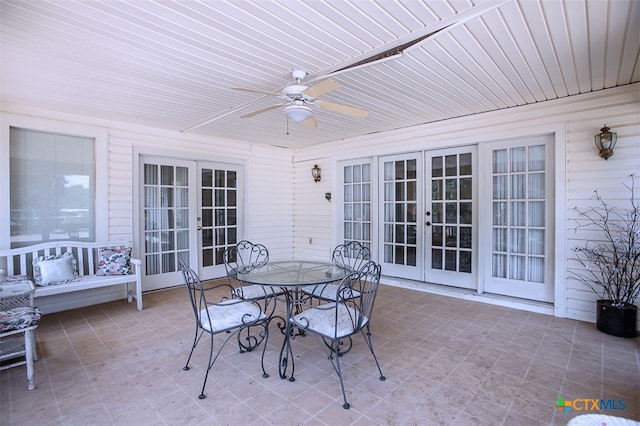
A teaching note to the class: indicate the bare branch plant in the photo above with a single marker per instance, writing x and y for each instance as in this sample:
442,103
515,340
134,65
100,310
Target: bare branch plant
610,266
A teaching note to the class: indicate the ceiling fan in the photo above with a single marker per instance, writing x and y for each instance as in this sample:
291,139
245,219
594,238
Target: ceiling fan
299,98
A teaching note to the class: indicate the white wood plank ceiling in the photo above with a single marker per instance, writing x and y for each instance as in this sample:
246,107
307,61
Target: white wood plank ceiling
172,64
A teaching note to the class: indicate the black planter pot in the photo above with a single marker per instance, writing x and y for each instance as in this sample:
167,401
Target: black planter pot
618,321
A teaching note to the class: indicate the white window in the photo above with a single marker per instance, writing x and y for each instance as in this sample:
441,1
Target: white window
52,187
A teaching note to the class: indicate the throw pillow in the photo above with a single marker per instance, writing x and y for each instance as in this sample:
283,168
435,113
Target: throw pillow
55,269
114,261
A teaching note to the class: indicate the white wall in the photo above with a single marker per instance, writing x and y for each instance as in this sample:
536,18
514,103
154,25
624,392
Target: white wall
287,209
269,195
580,170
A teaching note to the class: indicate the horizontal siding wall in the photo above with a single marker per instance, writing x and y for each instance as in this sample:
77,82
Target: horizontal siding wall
268,172
581,116
312,212
270,200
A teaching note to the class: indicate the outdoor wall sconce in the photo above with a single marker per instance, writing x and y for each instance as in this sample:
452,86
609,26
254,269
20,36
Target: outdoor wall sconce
605,141
315,172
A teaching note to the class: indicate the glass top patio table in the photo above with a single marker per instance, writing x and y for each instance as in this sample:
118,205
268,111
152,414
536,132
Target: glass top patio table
290,275
294,273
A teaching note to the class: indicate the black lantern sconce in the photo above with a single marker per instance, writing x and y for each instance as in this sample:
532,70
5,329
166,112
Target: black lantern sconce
315,172
605,141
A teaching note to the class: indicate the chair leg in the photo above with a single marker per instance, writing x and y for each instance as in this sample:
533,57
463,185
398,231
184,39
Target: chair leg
367,339
264,347
28,349
336,367
209,365
34,349
196,339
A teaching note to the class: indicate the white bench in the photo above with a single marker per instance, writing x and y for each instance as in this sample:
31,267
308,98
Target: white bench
19,261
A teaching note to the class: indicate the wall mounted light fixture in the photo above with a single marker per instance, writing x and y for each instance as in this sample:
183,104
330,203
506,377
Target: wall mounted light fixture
605,141
315,172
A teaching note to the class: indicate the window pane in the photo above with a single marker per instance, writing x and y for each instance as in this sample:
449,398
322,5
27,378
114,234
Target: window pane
536,158
366,173
182,176
357,177
436,167
518,159
347,174
52,181
500,161
465,164
536,185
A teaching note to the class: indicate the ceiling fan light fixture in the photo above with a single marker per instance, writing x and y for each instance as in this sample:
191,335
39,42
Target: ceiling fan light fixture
297,113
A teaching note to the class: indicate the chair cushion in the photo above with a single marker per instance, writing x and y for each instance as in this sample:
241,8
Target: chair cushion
114,261
230,314
58,269
327,291
322,320
19,318
254,292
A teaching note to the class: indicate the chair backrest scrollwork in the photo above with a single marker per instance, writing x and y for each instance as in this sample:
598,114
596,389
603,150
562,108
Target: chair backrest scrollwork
245,256
350,255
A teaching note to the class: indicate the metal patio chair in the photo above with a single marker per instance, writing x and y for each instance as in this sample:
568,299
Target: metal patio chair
331,323
227,317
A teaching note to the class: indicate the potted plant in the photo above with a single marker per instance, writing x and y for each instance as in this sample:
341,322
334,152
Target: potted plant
610,264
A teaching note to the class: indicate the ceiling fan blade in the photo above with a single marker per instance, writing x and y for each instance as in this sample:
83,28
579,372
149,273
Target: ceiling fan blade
343,109
310,123
261,110
322,87
262,92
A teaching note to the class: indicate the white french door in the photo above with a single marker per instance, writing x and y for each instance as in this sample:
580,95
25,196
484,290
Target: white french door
519,186
400,215
190,212
450,217
219,204
475,217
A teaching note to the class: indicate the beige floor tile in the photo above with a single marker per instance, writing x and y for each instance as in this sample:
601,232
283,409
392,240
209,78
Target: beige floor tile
447,362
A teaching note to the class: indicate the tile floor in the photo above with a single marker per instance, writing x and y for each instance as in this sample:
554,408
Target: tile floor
447,361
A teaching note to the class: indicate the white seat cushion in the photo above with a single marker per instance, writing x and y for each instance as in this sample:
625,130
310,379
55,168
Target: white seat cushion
229,314
322,320
254,292
327,291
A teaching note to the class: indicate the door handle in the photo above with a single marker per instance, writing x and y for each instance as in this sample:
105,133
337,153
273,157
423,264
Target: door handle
428,223
199,228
